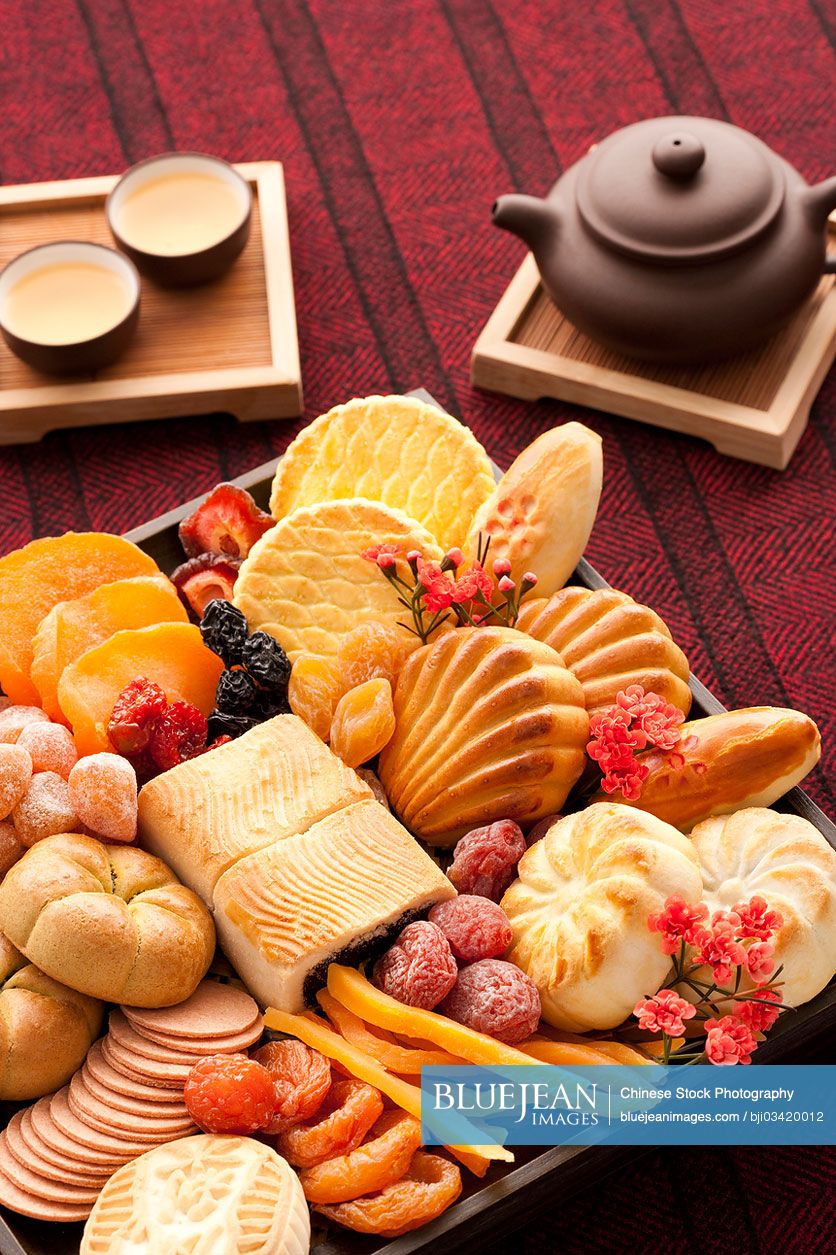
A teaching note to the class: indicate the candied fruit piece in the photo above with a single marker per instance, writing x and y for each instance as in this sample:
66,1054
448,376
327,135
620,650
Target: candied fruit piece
495,998
302,1078
44,809
222,723
229,1094
15,718
419,969
227,522
363,722
50,746
380,1161
475,927
423,1193
485,860
10,847
224,630
348,1111
135,711
102,791
374,651
180,733
204,579
314,688
266,661
15,774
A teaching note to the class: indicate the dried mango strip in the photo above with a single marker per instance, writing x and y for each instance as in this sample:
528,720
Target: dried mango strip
395,1058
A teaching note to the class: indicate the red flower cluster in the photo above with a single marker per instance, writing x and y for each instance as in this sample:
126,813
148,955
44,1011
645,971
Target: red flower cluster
728,1041
636,721
665,1012
677,922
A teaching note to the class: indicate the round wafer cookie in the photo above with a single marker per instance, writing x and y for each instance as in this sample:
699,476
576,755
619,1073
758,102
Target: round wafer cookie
24,1204
56,1139
306,580
397,450
104,1072
213,1009
167,1075
90,1106
105,1143
94,1173
29,1158
124,1035
49,1188
132,1106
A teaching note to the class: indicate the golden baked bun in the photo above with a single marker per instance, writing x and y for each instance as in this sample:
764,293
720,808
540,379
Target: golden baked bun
46,1029
579,912
489,725
609,641
542,511
747,757
397,450
108,920
786,861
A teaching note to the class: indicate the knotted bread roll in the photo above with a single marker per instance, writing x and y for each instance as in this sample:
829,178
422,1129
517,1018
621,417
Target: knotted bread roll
108,920
786,861
579,912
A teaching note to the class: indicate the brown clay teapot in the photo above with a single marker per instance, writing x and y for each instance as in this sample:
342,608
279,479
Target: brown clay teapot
677,239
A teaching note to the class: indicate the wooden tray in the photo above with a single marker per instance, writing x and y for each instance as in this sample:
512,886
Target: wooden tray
753,407
494,1206
229,345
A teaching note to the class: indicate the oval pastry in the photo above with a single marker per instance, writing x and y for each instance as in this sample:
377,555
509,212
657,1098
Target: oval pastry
489,725
786,861
579,912
609,641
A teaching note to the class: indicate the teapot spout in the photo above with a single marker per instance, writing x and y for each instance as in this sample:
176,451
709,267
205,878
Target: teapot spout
821,199
533,220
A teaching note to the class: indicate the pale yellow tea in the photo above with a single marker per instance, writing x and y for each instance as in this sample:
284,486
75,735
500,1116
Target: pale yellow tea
179,213
66,303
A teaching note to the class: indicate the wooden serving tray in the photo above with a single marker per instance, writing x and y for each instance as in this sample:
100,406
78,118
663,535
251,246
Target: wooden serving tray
228,345
753,407
496,1205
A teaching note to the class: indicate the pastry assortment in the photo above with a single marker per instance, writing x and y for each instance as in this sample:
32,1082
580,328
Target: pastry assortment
435,804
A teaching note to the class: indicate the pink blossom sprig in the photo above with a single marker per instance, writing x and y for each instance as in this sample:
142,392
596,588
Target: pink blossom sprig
638,720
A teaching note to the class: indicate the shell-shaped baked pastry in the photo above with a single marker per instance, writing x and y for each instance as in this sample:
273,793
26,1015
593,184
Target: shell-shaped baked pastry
787,861
579,912
489,725
609,641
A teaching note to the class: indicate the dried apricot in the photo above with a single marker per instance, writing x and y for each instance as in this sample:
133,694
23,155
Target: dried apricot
374,651
422,1194
349,1110
313,691
363,722
229,1094
302,1078
380,1161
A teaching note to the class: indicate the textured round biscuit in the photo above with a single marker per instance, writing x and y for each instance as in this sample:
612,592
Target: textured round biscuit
397,450
306,580
89,1171
39,1208
122,1034
105,1143
104,1072
90,1106
212,1009
52,1189
29,1158
168,1105
48,1130
166,1075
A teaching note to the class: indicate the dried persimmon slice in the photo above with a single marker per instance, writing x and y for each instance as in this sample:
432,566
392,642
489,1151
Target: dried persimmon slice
378,1162
349,1110
424,1192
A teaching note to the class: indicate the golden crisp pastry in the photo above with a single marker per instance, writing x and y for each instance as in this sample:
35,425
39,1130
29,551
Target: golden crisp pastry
786,861
609,641
397,450
747,757
208,1193
46,1029
108,920
542,511
579,912
306,580
489,725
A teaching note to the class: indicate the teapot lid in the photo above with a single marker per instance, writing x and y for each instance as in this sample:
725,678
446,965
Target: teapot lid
679,189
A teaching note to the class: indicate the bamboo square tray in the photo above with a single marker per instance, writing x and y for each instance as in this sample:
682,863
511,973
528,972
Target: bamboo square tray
229,345
753,407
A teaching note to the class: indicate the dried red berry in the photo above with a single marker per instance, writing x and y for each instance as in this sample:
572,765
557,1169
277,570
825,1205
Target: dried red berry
208,577
475,927
419,969
134,714
178,734
227,522
485,861
496,998
230,1094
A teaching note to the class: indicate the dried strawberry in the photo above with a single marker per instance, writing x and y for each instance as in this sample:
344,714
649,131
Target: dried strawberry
179,733
419,969
496,998
230,1094
485,861
227,522
475,927
134,714
208,577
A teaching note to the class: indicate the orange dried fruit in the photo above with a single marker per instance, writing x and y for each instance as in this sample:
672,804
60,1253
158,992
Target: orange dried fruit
422,1194
389,1053
73,627
44,810
373,650
314,688
170,654
348,1112
50,746
380,1161
364,721
35,578
302,1078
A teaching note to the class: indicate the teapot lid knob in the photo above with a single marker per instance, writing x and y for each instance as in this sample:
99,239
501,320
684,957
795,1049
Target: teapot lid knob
678,155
